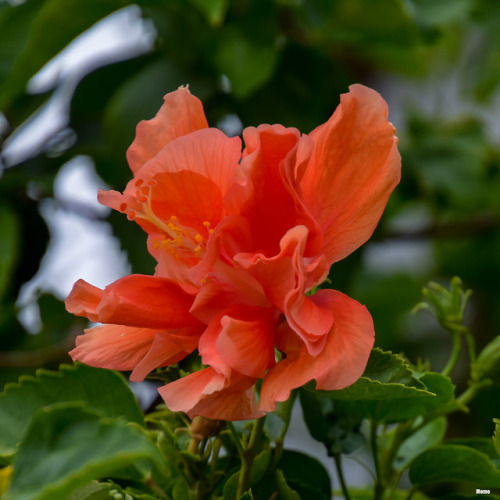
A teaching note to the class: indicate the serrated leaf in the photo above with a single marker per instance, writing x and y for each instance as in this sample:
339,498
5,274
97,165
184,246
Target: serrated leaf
454,463
386,376
102,390
67,445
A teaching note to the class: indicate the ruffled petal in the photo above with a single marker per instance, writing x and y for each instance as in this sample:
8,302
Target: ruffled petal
115,347
285,280
181,114
340,363
135,300
352,171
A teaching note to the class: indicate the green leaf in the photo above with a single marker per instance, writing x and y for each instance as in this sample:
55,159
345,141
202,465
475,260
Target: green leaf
284,489
303,472
437,13
259,468
56,24
213,10
92,491
102,390
9,245
449,463
386,376
67,445
426,437
496,436
329,423
277,422
367,494
246,62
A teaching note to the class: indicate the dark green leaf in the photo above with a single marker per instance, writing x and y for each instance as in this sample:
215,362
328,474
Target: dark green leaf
259,468
57,23
304,472
450,463
102,390
67,445
496,436
284,489
213,10
9,245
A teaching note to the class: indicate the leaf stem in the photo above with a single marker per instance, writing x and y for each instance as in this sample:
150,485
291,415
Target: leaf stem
379,488
455,353
338,465
248,454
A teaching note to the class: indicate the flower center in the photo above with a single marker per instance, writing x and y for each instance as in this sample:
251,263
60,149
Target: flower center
180,240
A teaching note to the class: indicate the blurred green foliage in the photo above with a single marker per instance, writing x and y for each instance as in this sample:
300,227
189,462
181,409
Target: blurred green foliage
274,61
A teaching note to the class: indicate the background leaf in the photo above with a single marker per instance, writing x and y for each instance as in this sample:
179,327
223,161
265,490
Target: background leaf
67,445
102,390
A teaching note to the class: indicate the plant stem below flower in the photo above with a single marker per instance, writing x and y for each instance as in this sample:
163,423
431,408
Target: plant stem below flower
338,465
248,455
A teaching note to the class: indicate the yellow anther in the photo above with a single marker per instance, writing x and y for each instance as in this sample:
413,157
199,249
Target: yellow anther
206,223
198,238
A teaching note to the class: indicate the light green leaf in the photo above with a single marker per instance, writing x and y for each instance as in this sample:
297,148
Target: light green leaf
67,445
428,436
102,390
386,376
437,13
450,463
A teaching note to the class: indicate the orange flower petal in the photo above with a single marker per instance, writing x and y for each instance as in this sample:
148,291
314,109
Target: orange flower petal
135,300
115,347
247,346
353,170
340,363
167,348
181,114
285,281
185,393
212,395
228,405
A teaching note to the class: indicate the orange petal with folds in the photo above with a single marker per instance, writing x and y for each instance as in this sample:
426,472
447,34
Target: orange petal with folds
228,405
247,345
340,363
181,114
352,171
167,348
115,347
185,393
212,395
135,300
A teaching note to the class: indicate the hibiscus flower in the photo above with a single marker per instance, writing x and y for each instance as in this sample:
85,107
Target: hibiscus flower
241,241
